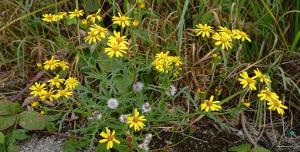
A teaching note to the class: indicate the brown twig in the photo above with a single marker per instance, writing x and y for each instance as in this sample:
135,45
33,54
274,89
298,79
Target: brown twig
37,77
248,136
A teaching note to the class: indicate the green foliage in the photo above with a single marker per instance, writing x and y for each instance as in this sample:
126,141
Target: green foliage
7,121
2,138
9,108
10,140
247,148
73,145
32,120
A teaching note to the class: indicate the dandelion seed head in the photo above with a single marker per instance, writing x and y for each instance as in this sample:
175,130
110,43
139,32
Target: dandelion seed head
112,103
137,86
146,107
172,91
123,118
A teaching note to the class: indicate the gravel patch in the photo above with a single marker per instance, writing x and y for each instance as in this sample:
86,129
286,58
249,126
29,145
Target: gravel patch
38,143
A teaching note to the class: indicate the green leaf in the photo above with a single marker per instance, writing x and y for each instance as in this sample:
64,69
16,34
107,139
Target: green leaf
260,149
240,148
51,126
7,121
70,21
32,120
72,145
2,138
9,108
109,65
19,134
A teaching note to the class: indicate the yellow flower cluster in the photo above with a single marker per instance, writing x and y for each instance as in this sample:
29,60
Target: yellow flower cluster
223,36
117,44
266,94
164,63
56,87
136,121
53,17
53,63
246,81
96,33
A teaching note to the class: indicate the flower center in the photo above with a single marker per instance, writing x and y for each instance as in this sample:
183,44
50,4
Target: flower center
115,48
38,89
110,138
122,18
209,103
205,29
249,80
223,39
135,119
50,17
276,104
119,39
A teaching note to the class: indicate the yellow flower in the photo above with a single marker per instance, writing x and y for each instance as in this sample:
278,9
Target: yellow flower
94,17
223,39
63,65
210,105
135,23
61,15
267,94
92,37
76,13
247,81
71,83
100,30
56,81
84,22
42,112
34,104
162,62
136,121
48,95
122,20
37,89
246,103
50,18
39,65
66,93
141,4
109,137
117,38
116,49
262,77
51,64
176,60
203,30
240,35
277,105
225,30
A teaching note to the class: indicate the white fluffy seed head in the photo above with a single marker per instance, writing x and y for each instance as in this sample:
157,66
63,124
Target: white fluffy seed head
112,103
148,138
144,147
172,91
146,107
123,118
137,86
